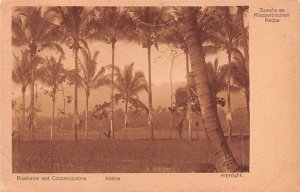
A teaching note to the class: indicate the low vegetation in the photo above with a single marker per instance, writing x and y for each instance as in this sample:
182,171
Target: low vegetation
128,156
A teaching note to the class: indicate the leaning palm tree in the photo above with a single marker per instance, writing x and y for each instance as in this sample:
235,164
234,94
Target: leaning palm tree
129,84
52,74
74,23
112,24
90,79
149,24
32,30
21,76
223,158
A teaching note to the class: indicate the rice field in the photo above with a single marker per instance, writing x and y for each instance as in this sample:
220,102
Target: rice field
119,156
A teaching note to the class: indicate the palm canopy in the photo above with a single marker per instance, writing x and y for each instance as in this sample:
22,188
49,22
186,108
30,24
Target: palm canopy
150,22
240,22
21,70
172,36
129,84
206,18
31,29
52,73
220,30
216,75
239,72
112,24
89,78
74,23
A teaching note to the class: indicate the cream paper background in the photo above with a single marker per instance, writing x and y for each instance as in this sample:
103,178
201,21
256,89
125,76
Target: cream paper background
275,111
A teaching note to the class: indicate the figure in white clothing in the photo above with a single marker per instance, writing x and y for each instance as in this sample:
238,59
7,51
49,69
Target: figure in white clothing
229,123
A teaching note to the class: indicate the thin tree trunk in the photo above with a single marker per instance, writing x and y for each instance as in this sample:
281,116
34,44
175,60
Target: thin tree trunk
223,158
126,123
32,107
188,115
62,128
64,115
150,117
247,95
86,115
171,111
75,118
229,92
53,119
24,114
246,52
198,131
112,90
35,110
244,38
99,126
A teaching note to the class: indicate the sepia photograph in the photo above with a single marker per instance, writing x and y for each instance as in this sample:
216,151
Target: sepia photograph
130,89
117,89
149,96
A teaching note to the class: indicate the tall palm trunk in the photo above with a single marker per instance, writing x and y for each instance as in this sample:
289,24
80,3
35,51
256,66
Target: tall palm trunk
243,34
171,111
229,92
224,160
24,113
75,91
247,95
35,108
150,117
32,106
126,118
113,42
64,112
246,52
188,115
76,48
53,119
87,114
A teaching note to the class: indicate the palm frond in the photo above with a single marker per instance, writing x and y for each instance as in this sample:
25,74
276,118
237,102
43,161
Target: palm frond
130,83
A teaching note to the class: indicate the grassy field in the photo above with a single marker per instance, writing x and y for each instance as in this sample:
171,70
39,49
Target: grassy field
127,156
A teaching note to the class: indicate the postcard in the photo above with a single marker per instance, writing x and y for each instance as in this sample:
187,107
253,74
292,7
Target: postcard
150,95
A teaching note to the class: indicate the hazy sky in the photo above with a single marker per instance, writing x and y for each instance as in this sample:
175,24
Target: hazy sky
125,53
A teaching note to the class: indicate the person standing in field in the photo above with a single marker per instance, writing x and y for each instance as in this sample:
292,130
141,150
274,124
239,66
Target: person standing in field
229,123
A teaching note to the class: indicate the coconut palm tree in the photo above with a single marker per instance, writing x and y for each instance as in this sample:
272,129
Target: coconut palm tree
21,76
75,26
129,84
244,41
224,160
224,35
149,24
52,74
112,24
90,79
240,75
218,77
32,30
244,32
